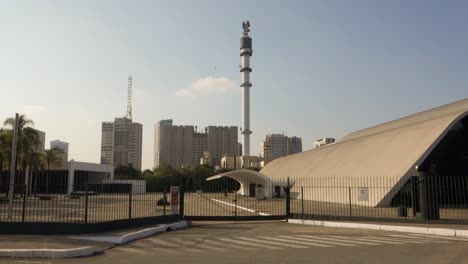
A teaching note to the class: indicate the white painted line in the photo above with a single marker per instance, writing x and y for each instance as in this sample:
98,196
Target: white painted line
291,239
413,237
270,242
153,246
171,245
247,243
33,262
128,249
240,207
327,240
350,240
381,240
200,244
440,237
190,245
217,244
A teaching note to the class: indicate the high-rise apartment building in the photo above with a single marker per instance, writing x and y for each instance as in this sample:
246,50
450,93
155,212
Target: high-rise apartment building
180,146
121,142
41,137
63,146
279,145
222,141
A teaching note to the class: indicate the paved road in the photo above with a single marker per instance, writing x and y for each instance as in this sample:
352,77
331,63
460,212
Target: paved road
279,242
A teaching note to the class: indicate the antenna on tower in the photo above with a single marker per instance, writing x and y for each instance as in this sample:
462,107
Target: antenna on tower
129,98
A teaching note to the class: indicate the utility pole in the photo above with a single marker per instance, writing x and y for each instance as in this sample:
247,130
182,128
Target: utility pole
11,189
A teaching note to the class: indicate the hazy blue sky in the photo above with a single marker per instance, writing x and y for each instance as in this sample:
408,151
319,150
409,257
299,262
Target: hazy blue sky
320,68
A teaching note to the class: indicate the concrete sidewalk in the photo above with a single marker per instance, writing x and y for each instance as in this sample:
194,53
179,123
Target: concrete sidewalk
65,246
460,231
22,246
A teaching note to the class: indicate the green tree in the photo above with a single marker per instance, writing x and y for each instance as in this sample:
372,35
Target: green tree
51,157
127,172
27,142
165,170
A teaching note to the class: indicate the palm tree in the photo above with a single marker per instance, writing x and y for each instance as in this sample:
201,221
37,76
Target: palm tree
27,142
52,157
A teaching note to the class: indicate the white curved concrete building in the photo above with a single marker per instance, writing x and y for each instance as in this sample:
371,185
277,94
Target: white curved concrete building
387,152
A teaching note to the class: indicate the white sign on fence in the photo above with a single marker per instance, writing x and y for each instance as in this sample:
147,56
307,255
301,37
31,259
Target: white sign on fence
174,199
363,194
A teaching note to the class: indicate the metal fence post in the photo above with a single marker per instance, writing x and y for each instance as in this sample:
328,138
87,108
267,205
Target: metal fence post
24,204
302,200
288,200
164,200
86,204
235,205
130,191
182,198
350,206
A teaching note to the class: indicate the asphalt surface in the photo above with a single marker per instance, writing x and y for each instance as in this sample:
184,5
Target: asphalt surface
278,242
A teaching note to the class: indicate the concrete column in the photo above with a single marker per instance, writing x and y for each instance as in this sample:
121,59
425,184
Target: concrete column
429,196
71,179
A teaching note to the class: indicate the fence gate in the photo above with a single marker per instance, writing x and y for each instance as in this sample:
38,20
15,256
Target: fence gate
226,199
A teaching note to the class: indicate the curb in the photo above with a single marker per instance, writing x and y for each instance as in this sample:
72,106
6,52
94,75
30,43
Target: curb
50,253
134,235
407,229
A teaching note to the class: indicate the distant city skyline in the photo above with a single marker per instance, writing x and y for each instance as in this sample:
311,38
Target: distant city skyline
320,68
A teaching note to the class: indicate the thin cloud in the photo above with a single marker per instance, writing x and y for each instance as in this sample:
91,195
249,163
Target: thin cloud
184,92
209,85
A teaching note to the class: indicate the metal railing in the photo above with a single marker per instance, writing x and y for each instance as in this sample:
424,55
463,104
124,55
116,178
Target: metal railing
429,198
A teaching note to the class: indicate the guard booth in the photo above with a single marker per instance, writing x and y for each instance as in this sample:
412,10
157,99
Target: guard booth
259,192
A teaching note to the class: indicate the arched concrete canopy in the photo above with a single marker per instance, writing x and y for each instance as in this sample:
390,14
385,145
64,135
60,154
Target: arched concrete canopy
246,177
385,154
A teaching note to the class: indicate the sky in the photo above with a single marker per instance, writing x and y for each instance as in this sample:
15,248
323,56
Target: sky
320,68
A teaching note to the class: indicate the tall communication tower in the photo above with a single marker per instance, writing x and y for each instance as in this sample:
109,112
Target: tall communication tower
129,98
246,53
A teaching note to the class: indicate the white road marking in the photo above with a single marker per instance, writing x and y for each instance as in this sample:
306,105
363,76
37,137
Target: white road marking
247,243
440,237
171,245
416,239
380,240
197,244
33,262
127,249
240,207
269,242
328,240
351,240
217,243
290,239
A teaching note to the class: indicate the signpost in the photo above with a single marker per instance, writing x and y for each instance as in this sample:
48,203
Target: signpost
174,199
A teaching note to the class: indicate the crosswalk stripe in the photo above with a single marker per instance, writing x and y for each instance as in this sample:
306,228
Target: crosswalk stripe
380,240
200,244
191,244
351,240
440,237
270,242
247,243
154,245
171,245
417,239
330,241
304,241
215,243
127,249
294,241
324,240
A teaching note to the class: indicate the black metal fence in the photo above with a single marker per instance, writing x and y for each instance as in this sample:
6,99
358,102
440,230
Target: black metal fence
429,198
50,198
227,200
42,198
